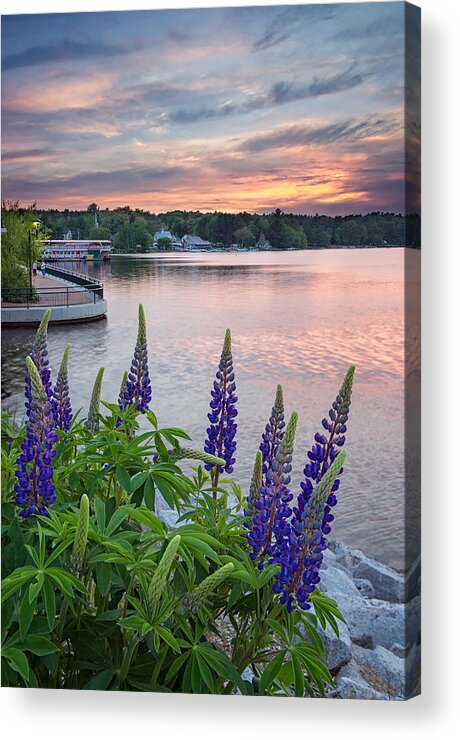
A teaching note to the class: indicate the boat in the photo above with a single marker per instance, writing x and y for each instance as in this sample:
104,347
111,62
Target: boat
75,249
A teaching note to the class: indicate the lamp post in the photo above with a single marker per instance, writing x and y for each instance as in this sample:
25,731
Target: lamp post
33,227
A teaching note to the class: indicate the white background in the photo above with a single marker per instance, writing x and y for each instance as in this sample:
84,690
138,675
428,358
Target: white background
51,714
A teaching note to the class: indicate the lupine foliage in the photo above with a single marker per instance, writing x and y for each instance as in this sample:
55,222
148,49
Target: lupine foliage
99,593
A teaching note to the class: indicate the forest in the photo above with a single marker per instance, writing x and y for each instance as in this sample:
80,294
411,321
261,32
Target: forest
133,229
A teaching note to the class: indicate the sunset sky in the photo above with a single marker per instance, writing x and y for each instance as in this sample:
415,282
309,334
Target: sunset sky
297,107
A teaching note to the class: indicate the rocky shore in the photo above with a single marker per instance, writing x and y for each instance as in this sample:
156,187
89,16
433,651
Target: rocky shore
377,655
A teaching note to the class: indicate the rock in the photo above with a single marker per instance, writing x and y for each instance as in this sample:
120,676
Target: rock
372,622
389,585
337,649
382,670
168,516
398,650
349,684
413,580
337,582
365,587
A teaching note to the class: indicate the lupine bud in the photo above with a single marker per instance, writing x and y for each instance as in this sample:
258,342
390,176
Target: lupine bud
81,535
256,484
222,430
92,421
121,395
138,388
34,487
160,577
39,355
189,454
208,585
61,407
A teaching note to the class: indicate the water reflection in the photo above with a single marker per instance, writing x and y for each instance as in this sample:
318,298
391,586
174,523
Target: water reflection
297,318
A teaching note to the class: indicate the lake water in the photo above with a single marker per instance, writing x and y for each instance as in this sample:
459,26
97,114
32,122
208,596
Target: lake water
297,318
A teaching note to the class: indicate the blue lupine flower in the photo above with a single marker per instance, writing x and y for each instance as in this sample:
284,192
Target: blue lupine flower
324,451
39,355
300,544
61,406
273,434
302,540
222,430
272,507
138,388
34,487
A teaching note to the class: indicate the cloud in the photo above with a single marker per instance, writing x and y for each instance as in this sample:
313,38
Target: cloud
284,24
280,93
294,135
24,155
60,52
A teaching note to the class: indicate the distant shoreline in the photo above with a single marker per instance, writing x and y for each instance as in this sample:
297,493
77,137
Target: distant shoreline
156,253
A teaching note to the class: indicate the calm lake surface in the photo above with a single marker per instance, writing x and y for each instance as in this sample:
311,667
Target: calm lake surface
297,318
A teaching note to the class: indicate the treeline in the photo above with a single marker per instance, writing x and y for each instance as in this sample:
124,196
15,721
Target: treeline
133,229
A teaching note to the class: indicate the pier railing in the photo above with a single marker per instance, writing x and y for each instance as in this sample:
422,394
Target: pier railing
67,295
85,281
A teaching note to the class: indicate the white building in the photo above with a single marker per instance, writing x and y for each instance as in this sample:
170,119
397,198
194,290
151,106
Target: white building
192,243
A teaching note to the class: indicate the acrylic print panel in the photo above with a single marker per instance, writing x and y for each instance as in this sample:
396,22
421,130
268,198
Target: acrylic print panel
210,284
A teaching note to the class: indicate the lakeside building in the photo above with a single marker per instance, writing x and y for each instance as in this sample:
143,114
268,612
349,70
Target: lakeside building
192,243
76,249
165,234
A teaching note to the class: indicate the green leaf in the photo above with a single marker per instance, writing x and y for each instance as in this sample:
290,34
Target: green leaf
100,682
271,672
149,493
18,661
137,480
123,478
26,613
49,598
35,588
116,519
168,638
38,645
103,578
99,510
298,676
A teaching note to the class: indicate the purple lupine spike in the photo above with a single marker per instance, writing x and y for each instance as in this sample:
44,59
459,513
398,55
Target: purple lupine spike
272,507
39,355
300,544
138,389
34,487
273,434
324,451
61,406
222,429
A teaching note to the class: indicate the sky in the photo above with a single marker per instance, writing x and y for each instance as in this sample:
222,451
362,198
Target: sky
231,109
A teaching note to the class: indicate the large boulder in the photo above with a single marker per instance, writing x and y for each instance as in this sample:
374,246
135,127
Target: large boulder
389,585
350,684
337,649
383,670
337,583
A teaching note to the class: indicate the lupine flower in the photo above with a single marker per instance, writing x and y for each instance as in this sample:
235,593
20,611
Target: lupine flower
300,544
138,388
39,355
272,509
186,453
92,421
222,430
273,434
61,406
34,488
324,451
